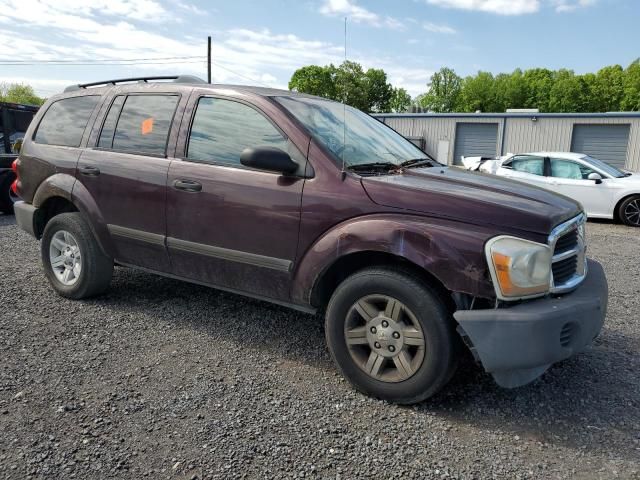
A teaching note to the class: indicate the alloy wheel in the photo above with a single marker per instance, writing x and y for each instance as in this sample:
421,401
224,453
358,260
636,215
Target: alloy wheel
632,212
65,257
384,338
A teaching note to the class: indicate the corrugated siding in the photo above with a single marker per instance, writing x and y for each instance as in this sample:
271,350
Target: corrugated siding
475,139
606,142
522,134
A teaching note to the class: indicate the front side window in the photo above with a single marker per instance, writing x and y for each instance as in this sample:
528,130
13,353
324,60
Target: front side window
143,125
562,168
527,164
65,121
222,129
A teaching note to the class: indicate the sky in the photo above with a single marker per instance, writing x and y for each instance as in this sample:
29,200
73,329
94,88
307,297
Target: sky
54,43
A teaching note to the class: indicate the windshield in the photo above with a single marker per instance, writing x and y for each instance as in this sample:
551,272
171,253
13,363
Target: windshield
365,140
605,167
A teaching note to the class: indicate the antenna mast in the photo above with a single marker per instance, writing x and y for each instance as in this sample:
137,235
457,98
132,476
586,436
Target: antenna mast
344,108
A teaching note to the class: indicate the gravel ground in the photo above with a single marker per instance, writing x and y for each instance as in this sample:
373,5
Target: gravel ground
162,379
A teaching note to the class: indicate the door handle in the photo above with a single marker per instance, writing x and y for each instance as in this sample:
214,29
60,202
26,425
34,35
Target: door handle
187,186
89,171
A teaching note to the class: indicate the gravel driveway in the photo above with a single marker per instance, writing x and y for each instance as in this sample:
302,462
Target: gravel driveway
162,379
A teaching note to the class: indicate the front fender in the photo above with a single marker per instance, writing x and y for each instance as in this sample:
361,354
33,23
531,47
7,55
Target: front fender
67,187
452,252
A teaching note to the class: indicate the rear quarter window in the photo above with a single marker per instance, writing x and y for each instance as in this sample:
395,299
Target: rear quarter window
65,121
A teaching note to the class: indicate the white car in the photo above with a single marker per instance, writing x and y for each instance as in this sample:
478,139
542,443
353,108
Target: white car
603,190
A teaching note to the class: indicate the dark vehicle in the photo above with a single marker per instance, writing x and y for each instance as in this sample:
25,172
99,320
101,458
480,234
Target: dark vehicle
14,121
304,202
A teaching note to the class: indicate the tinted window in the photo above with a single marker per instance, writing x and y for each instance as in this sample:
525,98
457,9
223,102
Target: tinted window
144,123
525,164
561,168
109,127
65,121
222,129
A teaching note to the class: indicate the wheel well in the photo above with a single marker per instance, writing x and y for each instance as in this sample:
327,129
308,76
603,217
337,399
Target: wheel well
346,266
616,215
50,208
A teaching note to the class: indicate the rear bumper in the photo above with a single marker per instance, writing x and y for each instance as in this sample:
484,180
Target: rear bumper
25,217
517,344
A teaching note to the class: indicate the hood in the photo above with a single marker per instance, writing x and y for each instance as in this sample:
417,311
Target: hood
472,197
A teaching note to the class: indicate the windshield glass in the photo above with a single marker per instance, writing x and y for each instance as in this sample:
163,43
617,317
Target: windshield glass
605,167
365,140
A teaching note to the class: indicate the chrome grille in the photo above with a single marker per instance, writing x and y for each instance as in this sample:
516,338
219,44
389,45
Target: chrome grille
569,263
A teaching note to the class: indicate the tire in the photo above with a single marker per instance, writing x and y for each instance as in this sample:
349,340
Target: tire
629,211
92,276
7,199
399,378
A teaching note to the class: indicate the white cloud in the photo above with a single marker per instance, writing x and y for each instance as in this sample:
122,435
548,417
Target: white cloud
571,5
502,7
358,14
435,28
512,7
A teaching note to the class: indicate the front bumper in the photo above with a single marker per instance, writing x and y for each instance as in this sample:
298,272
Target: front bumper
517,344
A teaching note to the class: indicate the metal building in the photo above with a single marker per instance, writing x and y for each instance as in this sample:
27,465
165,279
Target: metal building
612,137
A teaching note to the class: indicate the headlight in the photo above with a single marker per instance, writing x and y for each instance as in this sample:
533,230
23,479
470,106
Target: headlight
519,268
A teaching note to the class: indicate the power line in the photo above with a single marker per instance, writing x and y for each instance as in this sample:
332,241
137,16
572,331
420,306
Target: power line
242,76
15,64
98,60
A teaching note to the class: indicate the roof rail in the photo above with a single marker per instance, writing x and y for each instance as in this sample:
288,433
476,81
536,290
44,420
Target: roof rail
175,78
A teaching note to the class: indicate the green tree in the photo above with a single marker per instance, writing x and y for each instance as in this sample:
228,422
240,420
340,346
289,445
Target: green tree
400,100
631,98
19,93
609,88
443,93
478,93
379,91
567,92
315,80
538,83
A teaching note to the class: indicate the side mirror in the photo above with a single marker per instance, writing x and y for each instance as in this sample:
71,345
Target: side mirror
595,176
271,159
17,145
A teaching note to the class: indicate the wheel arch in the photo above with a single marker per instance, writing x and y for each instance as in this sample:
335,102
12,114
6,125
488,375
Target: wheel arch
616,209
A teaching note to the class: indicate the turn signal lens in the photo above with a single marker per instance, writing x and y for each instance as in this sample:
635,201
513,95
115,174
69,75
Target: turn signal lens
14,166
519,268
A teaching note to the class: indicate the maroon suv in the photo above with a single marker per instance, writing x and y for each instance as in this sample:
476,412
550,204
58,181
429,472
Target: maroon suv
300,201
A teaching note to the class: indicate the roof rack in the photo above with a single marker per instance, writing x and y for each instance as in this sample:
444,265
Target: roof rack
175,78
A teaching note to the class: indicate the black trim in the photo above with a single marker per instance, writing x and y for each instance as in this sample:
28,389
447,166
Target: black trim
132,234
263,261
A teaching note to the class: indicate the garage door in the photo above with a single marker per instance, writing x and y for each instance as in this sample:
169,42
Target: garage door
606,142
475,139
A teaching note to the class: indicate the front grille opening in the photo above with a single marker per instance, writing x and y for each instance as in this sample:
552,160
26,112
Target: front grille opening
567,242
564,270
568,333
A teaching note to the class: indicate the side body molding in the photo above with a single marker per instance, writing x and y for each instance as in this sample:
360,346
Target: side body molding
67,187
450,251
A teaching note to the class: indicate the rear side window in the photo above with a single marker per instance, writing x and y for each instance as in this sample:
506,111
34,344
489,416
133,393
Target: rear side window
526,164
65,120
142,124
222,129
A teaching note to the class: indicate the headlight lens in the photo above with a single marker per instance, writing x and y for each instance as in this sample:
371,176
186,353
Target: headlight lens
519,268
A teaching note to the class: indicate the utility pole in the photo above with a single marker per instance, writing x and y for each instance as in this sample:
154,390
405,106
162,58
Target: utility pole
208,59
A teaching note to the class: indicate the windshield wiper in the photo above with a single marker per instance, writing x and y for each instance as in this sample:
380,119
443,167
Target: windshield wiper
419,162
373,166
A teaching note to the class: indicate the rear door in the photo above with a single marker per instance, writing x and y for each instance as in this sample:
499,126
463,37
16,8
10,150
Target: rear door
525,168
229,225
125,172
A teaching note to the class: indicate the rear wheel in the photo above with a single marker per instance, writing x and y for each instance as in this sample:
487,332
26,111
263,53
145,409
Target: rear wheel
73,262
629,211
391,336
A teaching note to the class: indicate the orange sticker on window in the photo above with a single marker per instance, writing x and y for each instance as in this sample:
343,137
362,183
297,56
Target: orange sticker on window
147,126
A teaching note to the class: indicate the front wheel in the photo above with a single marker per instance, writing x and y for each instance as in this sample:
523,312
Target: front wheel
629,211
391,335
73,262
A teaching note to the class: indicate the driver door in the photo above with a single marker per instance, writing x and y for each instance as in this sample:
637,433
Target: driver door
570,178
